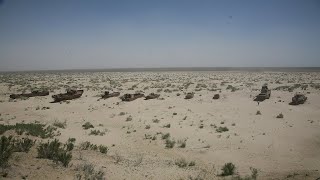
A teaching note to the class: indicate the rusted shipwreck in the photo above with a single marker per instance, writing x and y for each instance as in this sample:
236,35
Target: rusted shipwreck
131,97
71,94
32,94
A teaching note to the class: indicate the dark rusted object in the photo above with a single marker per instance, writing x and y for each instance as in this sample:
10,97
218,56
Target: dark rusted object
32,94
216,96
107,95
264,94
71,94
189,95
298,99
131,97
152,96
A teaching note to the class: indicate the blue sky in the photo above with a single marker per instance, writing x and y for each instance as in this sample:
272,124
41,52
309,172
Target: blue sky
72,34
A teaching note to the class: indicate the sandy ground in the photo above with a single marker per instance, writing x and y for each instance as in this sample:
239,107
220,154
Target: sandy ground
287,148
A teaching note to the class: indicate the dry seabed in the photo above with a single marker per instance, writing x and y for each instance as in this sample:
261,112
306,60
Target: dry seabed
169,137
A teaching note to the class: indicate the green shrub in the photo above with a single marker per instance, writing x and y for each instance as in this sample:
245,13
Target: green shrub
23,145
166,136
170,143
60,124
228,169
103,149
88,172
32,129
97,132
87,125
6,150
222,129
181,163
55,151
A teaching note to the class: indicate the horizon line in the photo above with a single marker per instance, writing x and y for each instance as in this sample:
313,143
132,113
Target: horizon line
163,69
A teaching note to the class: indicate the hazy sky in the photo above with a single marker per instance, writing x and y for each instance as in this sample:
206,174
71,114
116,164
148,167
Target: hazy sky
71,34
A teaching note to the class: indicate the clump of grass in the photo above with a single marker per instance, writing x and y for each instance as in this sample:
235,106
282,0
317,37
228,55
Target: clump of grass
155,120
88,146
166,136
182,163
122,113
222,129
55,151
87,125
23,145
103,149
87,171
33,129
129,118
97,132
258,113
167,126
182,143
228,169
147,127
170,143
60,124
280,115
6,150
70,144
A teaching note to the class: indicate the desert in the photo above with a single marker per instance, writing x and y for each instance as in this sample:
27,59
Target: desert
169,136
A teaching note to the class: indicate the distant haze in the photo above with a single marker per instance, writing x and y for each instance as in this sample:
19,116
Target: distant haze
75,34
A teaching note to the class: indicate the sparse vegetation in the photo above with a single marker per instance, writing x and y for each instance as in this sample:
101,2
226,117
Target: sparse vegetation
87,125
228,169
87,172
258,113
182,163
33,129
280,115
6,150
60,124
55,151
166,136
97,132
222,129
170,143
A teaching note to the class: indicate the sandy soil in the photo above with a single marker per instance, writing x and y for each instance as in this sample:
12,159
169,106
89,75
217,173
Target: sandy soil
287,148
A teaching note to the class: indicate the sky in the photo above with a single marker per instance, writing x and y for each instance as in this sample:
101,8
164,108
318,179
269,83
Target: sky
82,34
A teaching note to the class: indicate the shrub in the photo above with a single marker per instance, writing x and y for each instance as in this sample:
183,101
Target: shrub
280,115
70,144
258,113
32,129
228,169
60,124
181,163
182,143
170,143
54,151
222,129
23,145
6,150
97,132
103,149
166,136
87,125
167,126
89,172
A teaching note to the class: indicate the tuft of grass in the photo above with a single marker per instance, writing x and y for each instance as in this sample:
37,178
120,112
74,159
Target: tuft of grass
280,115
222,129
23,145
97,132
182,163
55,151
167,126
228,169
166,136
87,125
182,143
59,124
258,113
87,171
170,143
103,149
